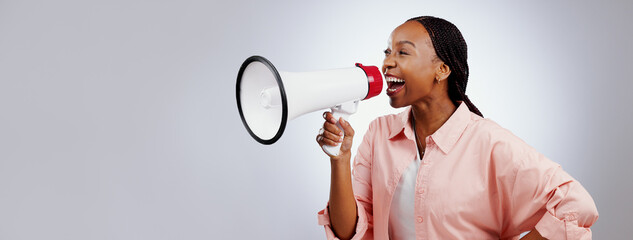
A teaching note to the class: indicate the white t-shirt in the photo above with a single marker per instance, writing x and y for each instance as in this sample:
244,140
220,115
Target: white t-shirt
401,215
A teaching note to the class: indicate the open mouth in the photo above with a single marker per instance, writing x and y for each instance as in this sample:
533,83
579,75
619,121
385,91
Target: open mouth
394,85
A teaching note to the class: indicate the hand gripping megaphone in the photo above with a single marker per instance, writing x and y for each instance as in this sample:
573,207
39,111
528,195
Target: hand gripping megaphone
267,99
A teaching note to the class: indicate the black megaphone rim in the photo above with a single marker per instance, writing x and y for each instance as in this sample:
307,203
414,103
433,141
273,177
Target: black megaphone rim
284,100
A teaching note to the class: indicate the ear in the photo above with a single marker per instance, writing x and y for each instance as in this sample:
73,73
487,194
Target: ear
442,72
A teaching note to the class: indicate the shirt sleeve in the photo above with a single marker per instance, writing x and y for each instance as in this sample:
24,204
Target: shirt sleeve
543,196
361,185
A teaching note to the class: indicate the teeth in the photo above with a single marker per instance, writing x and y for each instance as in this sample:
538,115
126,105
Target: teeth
393,79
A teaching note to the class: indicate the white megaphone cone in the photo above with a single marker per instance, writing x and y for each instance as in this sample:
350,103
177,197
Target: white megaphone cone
268,99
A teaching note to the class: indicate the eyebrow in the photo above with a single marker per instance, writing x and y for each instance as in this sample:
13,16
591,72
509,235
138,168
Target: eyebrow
405,41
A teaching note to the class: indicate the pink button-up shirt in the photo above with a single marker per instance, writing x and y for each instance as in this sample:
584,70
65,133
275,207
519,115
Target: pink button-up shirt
477,181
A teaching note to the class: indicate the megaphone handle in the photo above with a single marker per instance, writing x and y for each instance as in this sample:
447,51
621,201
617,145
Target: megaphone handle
341,111
334,150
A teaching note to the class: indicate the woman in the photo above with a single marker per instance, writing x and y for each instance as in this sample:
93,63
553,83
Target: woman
438,170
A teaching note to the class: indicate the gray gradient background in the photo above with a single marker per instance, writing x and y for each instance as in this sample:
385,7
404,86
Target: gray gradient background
118,118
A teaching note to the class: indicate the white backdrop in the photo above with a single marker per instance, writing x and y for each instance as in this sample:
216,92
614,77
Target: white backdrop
118,118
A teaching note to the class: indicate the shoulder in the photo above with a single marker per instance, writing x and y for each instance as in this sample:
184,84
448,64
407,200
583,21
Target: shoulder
387,120
391,121
503,146
485,129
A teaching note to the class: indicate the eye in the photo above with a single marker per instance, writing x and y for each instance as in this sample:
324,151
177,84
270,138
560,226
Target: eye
387,52
402,52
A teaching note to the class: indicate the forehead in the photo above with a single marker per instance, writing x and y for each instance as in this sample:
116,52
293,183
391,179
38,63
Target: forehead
411,31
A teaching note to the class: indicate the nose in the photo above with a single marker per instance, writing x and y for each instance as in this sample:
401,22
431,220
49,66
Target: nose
388,63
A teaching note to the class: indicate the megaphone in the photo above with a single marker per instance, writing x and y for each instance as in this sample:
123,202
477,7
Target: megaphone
267,99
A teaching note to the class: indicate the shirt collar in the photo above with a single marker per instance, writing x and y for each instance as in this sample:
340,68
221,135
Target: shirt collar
445,137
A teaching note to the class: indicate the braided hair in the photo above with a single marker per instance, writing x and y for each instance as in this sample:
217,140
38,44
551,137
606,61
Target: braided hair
450,47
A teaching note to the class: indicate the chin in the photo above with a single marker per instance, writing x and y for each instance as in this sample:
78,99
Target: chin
395,104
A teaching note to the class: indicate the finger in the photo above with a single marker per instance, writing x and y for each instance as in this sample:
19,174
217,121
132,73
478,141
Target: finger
330,127
329,142
346,145
349,131
329,117
319,139
332,136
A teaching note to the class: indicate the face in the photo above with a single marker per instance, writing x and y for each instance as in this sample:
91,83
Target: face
411,66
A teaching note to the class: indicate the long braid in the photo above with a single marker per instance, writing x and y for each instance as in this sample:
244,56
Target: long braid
451,48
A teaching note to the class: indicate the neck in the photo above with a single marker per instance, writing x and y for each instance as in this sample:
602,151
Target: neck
428,116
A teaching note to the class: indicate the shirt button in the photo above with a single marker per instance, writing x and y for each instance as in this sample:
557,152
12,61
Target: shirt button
420,220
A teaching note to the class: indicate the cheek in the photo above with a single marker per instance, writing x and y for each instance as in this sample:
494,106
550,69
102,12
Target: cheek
420,75
418,66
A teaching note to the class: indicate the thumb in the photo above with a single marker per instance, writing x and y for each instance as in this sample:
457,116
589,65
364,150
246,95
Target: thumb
346,145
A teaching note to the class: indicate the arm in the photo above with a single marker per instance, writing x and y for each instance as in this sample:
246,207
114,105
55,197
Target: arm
342,205
540,196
